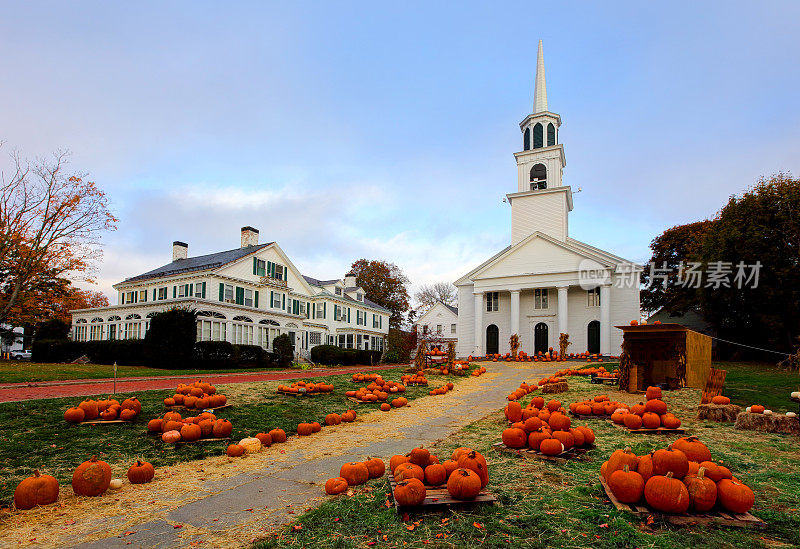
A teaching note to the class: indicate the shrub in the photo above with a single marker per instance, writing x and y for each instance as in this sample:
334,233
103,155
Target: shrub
283,349
125,352
368,358
251,356
170,340
51,329
213,354
56,350
326,354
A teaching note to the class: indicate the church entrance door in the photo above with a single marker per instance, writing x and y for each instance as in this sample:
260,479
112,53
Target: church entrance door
492,339
540,338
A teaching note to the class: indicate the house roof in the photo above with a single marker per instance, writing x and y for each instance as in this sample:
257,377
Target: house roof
454,309
199,263
320,283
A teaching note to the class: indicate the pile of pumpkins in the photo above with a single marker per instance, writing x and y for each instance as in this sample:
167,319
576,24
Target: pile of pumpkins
306,387
549,356
174,428
414,379
599,372
91,478
600,406
355,473
436,352
676,479
543,428
465,474
754,409
379,390
360,378
196,396
335,419
398,402
254,444
551,379
106,410
442,390
650,415
478,371
523,390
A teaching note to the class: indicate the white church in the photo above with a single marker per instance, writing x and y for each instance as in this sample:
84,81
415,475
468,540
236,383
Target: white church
545,283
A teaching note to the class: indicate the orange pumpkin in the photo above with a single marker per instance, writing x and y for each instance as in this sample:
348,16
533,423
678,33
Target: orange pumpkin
435,474
355,473
91,478
277,435
73,415
626,485
234,450
36,490
464,484
335,485
409,493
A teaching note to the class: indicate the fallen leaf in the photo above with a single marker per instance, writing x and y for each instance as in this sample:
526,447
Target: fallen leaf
410,527
178,526
297,527
604,525
70,521
477,525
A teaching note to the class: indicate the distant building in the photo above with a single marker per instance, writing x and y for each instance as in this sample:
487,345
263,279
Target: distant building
691,319
440,321
248,295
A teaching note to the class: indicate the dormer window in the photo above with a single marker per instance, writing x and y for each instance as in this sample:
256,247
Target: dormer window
338,291
360,297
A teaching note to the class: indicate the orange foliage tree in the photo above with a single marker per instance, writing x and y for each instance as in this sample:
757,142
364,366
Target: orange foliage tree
50,227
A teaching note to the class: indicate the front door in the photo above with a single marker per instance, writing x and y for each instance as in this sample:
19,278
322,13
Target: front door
492,340
540,338
593,331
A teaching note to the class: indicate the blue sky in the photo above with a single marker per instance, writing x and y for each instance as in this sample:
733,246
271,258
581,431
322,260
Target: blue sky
346,130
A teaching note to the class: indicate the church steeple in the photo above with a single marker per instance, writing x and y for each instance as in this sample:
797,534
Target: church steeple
540,88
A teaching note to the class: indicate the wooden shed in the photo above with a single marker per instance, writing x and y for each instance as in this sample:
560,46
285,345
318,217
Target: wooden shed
663,353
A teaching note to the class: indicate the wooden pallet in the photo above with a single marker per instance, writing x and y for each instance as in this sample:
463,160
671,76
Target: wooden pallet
527,453
198,410
104,421
591,416
609,380
287,393
657,431
741,520
354,399
437,498
204,440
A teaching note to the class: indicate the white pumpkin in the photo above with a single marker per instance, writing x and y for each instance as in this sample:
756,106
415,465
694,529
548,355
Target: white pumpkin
791,414
116,483
747,409
251,445
796,394
767,412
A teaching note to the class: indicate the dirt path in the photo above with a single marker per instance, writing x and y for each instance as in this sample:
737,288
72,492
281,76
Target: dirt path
224,502
12,392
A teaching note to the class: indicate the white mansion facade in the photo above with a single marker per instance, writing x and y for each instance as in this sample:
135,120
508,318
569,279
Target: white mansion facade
248,296
545,283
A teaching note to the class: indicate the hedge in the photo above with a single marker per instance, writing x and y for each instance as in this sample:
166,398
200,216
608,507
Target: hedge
57,350
331,354
213,354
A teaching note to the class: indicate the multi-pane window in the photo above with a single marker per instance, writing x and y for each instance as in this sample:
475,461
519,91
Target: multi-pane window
438,328
492,302
349,341
198,289
162,293
228,293
320,310
360,297
540,298
452,328
261,267
280,272
276,301
182,290
338,291
314,338
248,298
143,295
424,328
593,297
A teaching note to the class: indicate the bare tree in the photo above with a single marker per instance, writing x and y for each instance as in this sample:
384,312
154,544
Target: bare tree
440,292
50,227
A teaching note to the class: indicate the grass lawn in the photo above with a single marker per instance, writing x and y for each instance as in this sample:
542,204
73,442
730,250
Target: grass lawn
749,383
35,435
547,505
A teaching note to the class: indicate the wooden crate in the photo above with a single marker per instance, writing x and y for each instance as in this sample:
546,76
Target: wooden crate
437,498
741,520
527,453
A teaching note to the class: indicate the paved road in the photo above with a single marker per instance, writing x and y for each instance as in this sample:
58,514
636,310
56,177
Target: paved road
12,392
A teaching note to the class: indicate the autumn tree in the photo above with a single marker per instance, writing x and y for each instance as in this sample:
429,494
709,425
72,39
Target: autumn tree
385,284
51,221
440,292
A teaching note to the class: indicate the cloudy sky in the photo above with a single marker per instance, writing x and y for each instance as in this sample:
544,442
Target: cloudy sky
344,130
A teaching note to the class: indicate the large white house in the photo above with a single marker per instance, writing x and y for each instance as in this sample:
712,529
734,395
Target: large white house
440,322
545,283
248,295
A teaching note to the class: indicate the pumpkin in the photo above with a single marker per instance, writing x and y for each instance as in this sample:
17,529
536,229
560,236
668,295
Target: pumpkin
513,411
90,409
653,393
645,466
91,478
626,485
693,448
632,421
265,439
712,471
397,460
476,462
191,432
721,400
333,419
304,429
702,491
73,415
619,459
694,468
532,424
277,435
651,420
604,470
658,407
206,427
535,439
588,435
234,450
132,404
376,467
666,494
36,490
409,492
514,438
127,414
735,496
436,474
420,456
115,484
335,485
551,447
583,409
670,460
449,466
559,422
669,421
756,409
315,427
141,472
251,445
172,416
565,438
638,409
354,472
409,470
464,484
538,402
553,405
222,428
577,437
171,436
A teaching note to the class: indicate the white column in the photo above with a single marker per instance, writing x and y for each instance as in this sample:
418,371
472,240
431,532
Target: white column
563,311
605,320
515,312
478,324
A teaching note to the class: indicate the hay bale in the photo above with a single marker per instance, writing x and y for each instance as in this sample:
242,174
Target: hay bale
769,423
555,387
718,412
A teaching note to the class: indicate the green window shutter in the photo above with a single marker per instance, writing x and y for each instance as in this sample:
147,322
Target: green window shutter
256,299
324,310
271,298
174,292
122,298
204,290
154,294
221,291
348,315
239,295
314,311
255,268
283,302
308,309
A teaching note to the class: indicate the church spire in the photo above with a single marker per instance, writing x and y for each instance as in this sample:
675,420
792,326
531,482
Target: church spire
540,89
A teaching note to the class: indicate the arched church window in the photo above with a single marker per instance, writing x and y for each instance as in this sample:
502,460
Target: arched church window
526,140
551,135
538,177
538,136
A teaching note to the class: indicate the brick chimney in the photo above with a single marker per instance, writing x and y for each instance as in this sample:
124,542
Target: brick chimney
350,280
249,237
180,250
